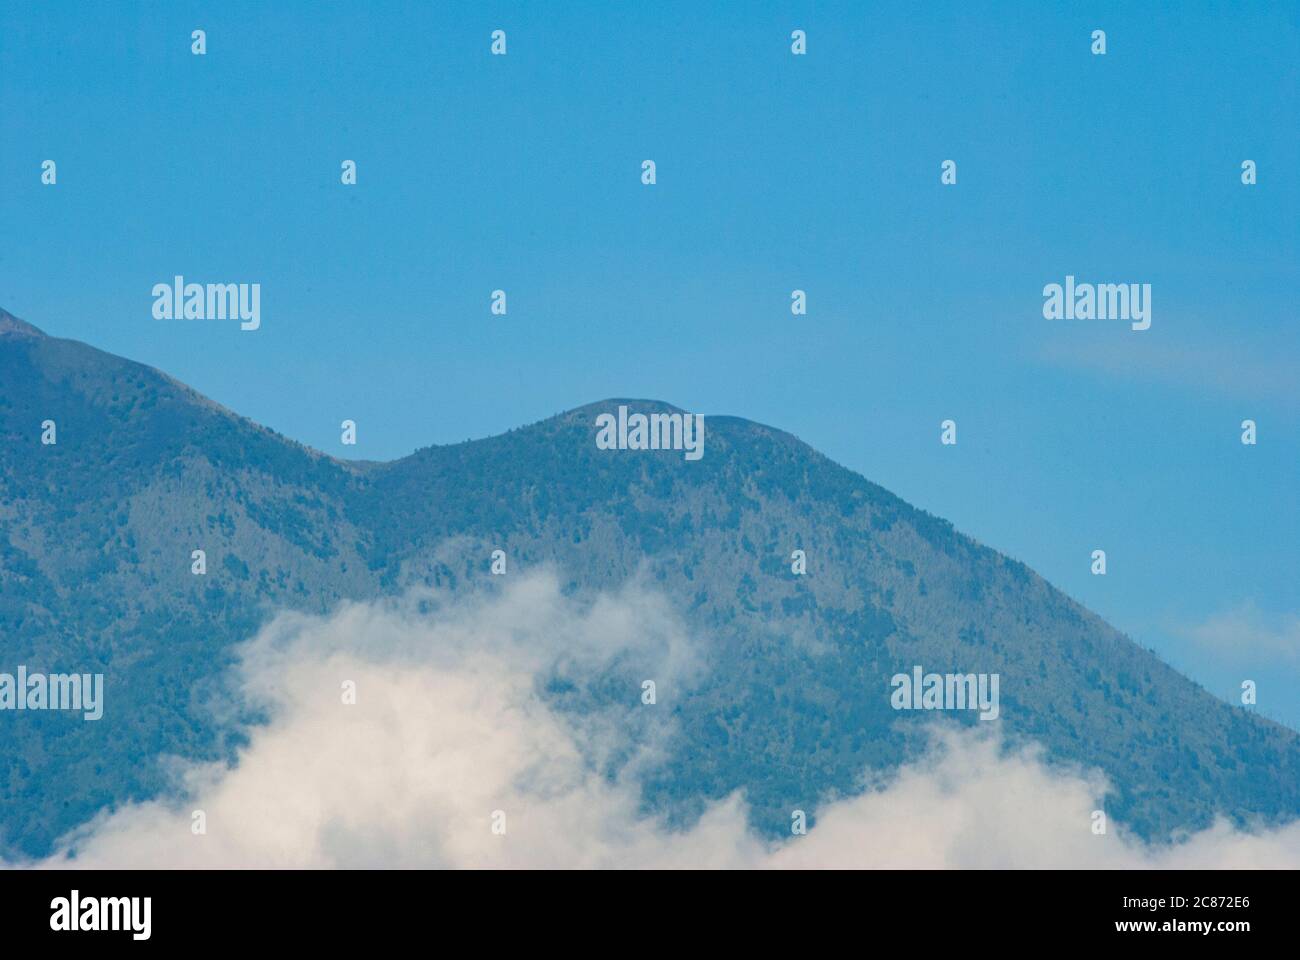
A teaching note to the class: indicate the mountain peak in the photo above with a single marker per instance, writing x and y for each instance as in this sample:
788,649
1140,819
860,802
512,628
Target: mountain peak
11,326
634,404
794,698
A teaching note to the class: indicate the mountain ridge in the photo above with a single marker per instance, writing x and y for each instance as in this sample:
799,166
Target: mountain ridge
11,326
95,567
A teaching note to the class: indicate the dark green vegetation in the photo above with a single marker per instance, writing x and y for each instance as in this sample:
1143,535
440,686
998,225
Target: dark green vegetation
96,534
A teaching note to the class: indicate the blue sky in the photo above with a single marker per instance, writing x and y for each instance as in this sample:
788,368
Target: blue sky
775,172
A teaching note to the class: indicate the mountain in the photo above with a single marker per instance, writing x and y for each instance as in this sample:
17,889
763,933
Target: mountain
97,529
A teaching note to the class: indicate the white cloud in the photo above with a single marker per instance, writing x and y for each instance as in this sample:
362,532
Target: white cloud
1247,633
1224,366
968,804
449,726
1245,643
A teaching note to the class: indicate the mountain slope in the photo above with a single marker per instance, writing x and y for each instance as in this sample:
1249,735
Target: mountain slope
96,534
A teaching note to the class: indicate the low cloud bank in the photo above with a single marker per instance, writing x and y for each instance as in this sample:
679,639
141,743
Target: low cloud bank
451,734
